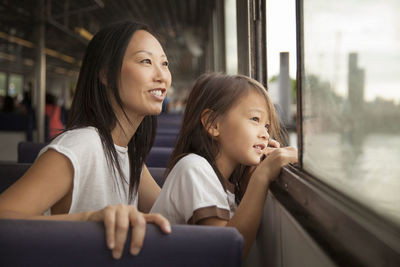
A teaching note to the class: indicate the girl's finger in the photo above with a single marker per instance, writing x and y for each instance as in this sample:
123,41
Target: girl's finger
273,143
269,150
159,220
138,230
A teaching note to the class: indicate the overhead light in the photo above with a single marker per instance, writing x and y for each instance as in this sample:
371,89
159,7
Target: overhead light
48,51
13,39
84,33
100,3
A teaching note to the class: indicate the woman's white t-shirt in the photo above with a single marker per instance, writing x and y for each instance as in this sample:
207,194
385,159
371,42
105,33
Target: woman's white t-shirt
94,183
192,192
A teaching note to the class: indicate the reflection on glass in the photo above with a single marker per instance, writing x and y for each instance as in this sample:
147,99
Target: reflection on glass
351,116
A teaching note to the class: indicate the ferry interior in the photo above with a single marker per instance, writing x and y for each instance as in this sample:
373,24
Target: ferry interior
337,94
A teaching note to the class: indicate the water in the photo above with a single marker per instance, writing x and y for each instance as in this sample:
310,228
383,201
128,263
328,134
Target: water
368,172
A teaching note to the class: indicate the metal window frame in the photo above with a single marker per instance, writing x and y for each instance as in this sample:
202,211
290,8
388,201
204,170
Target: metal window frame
251,26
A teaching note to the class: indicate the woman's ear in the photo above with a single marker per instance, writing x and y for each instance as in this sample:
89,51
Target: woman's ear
211,127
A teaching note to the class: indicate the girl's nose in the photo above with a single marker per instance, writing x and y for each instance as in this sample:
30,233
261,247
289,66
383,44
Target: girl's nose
264,133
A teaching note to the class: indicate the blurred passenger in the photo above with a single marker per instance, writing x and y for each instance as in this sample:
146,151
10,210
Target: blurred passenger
53,113
8,104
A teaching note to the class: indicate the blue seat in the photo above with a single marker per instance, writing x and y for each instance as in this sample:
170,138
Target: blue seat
158,175
158,157
28,151
165,140
66,243
168,130
10,173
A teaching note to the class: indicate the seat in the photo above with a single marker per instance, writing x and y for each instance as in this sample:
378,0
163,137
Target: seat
158,157
165,140
158,175
66,243
10,173
28,151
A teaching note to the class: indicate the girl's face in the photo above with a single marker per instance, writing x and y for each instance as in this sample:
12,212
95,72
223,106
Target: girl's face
242,133
145,76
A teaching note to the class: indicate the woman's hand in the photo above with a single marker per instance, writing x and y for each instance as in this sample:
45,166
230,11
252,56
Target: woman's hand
275,159
117,220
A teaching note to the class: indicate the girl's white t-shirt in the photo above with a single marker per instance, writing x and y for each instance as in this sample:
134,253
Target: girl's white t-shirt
94,184
192,192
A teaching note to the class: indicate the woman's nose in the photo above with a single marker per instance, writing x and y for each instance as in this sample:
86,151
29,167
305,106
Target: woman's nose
162,75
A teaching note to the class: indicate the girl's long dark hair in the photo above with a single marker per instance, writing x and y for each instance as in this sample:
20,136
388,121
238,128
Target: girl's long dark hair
217,92
92,103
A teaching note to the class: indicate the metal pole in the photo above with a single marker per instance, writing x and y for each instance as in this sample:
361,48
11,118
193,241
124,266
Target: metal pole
40,71
285,97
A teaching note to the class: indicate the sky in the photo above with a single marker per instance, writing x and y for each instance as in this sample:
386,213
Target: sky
281,34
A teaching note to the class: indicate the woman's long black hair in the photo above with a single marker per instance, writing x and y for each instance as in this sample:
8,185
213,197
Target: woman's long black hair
98,83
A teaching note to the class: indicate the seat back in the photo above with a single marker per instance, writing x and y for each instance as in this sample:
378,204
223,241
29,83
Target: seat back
165,140
158,175
10,173
28,151
66,243
158,157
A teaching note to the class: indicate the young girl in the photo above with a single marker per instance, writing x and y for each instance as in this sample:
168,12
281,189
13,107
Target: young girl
95,170
217,172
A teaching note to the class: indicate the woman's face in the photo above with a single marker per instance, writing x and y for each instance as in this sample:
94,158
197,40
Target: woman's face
145,76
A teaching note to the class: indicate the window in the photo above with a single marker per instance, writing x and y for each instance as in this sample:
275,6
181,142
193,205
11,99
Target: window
3,79
231,37
15,85
351,100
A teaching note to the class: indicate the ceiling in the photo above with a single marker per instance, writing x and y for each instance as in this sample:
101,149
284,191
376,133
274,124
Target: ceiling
181,24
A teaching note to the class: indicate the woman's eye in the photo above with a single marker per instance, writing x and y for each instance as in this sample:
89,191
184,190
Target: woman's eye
255,119
147,61
165,63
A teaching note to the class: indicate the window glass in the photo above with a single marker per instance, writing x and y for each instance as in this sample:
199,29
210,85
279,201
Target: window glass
351,99
15,85
281,63
3,90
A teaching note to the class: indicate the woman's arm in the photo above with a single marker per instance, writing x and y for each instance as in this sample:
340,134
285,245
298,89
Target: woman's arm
248,214
148,191
50,179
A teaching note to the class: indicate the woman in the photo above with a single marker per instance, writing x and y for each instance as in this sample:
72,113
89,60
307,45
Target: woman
95,170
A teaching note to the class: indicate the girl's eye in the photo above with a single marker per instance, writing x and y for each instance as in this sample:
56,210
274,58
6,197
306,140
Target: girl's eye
147,61
165,63
267,127
255,119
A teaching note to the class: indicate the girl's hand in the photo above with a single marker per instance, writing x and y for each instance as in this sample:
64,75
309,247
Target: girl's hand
275,159
117,220
273,143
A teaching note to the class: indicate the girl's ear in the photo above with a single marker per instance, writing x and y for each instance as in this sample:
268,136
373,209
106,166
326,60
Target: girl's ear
211,127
